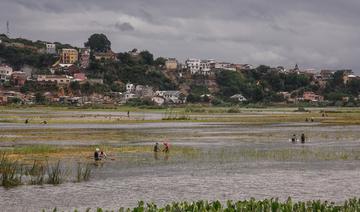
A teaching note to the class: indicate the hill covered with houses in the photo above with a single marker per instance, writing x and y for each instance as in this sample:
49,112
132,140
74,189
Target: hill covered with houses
40,72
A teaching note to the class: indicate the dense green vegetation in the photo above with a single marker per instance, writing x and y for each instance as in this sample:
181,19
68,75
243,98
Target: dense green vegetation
336,89
139,69
260,84
98,43
18,57
251,205
263,83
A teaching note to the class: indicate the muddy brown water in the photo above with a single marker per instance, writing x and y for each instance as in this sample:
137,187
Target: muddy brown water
220,170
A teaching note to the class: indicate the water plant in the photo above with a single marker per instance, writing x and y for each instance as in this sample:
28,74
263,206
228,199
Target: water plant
56,174
10,172
36,173
83,172
266,205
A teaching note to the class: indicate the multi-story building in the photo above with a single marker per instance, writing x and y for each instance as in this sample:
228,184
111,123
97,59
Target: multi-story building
171,64
225,66
312,97
326,74
69,56
171,96
18,78
51,48
58,79
5,72
206,66
193,65
130,87
80,77
84,57
197,66
109,55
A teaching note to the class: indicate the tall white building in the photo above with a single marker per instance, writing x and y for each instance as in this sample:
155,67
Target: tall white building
5,72
197,66
225,66
193,65
206,66
51,48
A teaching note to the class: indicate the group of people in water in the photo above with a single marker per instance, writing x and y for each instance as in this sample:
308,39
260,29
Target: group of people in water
302,138
100,154
166,148
309,119
27,121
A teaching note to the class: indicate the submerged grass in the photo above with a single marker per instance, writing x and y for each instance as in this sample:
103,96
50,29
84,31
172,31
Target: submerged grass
10,172
56,174
14,173
83,172
36,173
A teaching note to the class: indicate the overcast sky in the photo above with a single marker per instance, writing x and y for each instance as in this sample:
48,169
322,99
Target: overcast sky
312,33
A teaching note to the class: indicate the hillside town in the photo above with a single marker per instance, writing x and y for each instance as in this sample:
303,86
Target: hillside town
69,73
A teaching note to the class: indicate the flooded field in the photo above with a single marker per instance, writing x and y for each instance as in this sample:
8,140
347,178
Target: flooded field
207,160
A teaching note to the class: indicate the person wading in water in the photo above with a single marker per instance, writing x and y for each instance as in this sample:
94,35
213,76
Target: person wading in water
97,154
293,138
166,147
156,147
303,138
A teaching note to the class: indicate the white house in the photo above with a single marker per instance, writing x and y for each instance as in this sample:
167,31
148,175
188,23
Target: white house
51,48
197,66
158,100
193,65
206,66
239,98
130,96
130,87
5,72
58,79
225,66
170,96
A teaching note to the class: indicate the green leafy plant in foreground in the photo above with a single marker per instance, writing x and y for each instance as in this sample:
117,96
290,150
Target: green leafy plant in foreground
251,205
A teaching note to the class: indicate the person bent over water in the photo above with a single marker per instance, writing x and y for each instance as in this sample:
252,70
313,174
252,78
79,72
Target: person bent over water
303,138
156,147
102,154
166,147
293,138
97,154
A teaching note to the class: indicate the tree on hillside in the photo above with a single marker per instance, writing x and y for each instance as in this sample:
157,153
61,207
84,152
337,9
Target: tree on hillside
160,61
230,83
147,58
98,43
354,87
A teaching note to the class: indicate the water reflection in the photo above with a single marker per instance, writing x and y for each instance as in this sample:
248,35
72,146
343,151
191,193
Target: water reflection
165,157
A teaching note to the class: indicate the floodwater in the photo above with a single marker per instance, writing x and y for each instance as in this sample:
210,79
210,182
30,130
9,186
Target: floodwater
232,161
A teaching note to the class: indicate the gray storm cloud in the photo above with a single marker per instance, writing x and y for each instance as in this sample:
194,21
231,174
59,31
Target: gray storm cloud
313,33
124,26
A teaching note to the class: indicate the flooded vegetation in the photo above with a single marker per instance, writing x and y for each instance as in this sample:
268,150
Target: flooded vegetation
15,173
214,155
